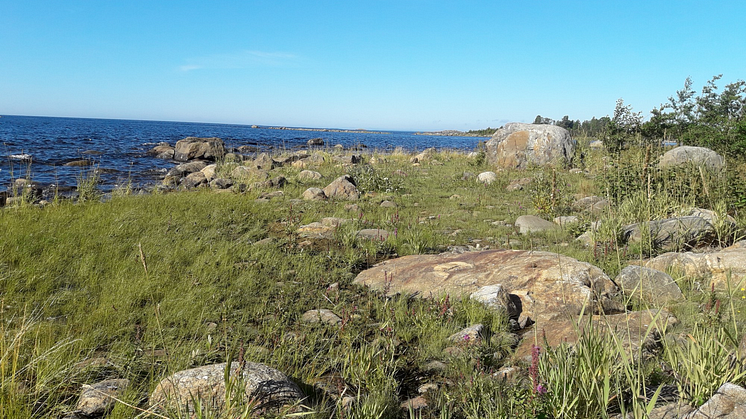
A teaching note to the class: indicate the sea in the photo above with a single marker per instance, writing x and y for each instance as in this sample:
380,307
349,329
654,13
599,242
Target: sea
38,148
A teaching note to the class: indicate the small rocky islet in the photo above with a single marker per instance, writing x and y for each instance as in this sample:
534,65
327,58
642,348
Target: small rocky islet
546,297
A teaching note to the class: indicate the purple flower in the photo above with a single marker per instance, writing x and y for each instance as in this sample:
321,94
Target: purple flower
540,389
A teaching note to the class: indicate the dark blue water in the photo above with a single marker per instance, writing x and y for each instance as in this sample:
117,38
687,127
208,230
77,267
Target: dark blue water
39,147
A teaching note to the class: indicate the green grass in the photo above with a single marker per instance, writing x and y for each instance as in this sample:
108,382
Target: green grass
162,282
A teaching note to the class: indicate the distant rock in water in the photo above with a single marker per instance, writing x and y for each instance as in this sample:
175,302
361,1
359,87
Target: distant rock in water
518,145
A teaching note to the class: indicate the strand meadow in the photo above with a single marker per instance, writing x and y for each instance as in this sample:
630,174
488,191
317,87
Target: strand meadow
332,282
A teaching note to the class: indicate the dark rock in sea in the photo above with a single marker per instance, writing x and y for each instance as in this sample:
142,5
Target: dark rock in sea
78,163
162,151
315,142
199,148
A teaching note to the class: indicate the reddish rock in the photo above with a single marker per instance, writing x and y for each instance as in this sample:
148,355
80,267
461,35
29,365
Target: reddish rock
547,285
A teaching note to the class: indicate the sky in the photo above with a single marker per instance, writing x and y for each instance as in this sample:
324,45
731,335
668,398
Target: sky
420,65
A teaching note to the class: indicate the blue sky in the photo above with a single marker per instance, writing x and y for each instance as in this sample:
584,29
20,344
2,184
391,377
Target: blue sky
404,64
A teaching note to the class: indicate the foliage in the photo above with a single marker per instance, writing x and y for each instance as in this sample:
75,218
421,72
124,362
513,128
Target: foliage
368,179
549,194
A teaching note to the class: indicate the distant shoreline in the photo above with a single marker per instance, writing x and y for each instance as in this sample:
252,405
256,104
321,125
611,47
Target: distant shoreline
452,133
359,131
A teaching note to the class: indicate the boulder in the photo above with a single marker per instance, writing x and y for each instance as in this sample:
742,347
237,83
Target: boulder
193,180
648,286
425,155
98,399
246,172
342,187
221,183
546,285
209,171
314,194
388,204
566,220
633,331
486,177
199,148
688,155
263,162
321,316
184,169
518,184
162,151
317,230
349,159
729,402
724,269
518,145
497,298
308,175
533,224
592,204
374,234
315,142
206,385
468,336
672,233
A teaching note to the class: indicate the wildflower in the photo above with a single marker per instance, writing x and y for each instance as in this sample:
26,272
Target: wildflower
540,389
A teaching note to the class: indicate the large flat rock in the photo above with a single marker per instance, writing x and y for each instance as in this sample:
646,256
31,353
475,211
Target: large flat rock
547,285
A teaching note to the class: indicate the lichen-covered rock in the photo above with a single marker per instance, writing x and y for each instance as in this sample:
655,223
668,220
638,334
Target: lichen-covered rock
308,175
547,284
321,315
486,177
637,332
699,156
518,145
342,187
199,148
497,298
672,233
724,269
184,169
648,286
729,402
98,399
533,224
314,194
206,384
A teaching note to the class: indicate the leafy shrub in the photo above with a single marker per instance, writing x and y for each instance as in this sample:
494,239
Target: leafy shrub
368,179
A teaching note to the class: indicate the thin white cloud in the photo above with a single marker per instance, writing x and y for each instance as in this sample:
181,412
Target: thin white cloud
241,59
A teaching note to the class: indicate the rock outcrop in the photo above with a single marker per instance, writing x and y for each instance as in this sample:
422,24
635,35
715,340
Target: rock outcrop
637,332
546,285
518,145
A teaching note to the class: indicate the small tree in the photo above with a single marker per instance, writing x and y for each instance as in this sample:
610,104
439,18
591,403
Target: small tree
624,126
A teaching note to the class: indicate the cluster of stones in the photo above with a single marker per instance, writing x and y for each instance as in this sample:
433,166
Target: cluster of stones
547,297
